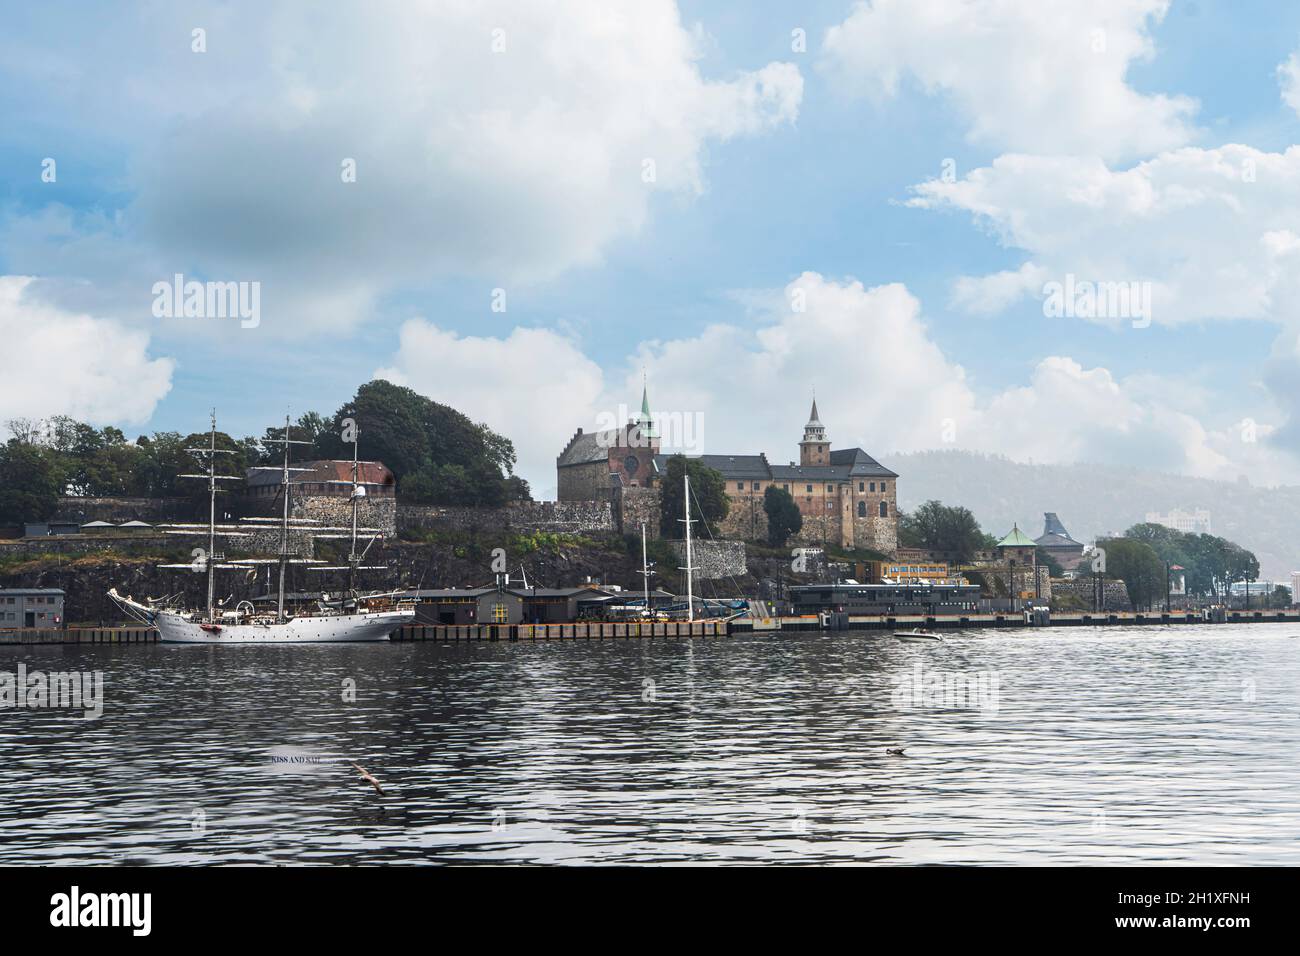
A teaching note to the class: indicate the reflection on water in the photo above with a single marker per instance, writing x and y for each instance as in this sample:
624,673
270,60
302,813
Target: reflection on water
1173,745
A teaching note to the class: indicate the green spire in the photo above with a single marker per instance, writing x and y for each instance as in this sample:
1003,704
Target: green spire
646,420
1015,539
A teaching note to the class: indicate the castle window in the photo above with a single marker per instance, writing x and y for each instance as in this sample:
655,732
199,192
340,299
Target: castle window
830,506
830,489
785,486
884,509
810,489
757,486
862,486
862,509
873,487
740,486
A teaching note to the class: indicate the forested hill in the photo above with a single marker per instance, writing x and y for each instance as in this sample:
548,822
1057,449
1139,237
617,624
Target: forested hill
1095,500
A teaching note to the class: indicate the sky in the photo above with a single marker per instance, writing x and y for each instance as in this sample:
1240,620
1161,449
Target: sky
525,210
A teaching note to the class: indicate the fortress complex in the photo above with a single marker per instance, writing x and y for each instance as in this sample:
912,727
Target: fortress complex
845,496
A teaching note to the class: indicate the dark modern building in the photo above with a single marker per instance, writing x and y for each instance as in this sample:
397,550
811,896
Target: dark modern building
31,607
511,605
885,598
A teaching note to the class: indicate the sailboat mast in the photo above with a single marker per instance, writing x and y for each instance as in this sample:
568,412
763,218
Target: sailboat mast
284,525
353,560
690,595
645,570
212,518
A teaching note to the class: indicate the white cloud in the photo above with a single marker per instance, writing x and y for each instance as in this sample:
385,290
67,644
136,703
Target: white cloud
1211,229
991,294
67,363
882,383
1024,75
510,164
534,386
1288,76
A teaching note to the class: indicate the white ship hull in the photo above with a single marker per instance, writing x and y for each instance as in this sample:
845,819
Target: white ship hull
324,629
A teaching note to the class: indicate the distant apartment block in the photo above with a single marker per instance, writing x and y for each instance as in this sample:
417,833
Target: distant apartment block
1191,522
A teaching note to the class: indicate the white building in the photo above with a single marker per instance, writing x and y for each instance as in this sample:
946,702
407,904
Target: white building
1189,522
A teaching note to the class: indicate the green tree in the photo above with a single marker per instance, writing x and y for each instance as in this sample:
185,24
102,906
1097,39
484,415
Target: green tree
308,428
1139,567
436,453
938,527
1210,563
30,484
783,517
709,503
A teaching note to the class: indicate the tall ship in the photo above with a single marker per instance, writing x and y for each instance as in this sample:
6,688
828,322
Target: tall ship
350,616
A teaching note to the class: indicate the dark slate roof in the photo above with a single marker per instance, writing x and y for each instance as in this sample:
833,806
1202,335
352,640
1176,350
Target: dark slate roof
1054,534
810,473
517,590
587,447
30,592
846,464
1057,541
368,473
861,465
732,467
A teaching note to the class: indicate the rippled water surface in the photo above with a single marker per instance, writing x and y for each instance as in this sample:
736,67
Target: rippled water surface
1073,746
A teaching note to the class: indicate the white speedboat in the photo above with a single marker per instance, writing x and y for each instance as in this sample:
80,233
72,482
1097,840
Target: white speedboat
919,636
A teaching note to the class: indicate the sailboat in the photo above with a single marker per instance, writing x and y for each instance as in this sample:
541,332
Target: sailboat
353,617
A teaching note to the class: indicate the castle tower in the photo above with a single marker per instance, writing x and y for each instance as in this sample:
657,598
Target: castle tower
645,420
815,449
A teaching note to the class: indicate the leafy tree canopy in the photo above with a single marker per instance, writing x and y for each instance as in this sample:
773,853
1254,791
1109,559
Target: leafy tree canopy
783,517
436,453
709,502
29,483
1210,563
939,527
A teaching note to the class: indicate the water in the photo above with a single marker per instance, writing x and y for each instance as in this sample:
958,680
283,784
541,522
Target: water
1122,745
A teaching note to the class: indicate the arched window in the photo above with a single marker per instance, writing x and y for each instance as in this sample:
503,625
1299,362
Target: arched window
884,509
862,509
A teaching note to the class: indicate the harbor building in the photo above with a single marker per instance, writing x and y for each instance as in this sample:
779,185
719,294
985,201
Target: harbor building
1057,543
31,608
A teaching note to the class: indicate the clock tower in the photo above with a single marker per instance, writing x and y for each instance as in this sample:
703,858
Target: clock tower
815,449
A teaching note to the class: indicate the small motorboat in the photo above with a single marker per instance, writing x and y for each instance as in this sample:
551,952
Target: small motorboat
924,636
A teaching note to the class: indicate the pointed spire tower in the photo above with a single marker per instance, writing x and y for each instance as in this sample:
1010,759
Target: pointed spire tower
646,420
815,449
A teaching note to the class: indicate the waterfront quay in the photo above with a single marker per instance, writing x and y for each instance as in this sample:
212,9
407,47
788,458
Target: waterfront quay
441,633
608,630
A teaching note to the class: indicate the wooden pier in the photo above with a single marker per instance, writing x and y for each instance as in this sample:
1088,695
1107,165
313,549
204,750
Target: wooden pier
443,633
80,635
585,630
609,630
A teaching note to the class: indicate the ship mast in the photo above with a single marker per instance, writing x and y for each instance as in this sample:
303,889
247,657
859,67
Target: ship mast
212,517
645,571
211,557
286,486
284,526
690,596
353,559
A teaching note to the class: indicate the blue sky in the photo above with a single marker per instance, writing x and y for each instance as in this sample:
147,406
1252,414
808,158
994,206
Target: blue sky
779,171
